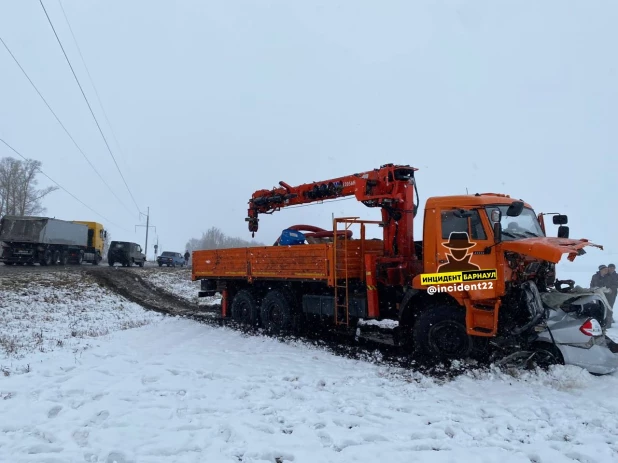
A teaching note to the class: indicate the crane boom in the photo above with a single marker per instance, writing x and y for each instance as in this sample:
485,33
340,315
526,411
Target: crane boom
391,187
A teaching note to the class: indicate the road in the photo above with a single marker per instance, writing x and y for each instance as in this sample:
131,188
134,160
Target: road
37,269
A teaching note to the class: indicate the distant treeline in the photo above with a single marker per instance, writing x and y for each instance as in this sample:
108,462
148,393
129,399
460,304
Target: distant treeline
214,238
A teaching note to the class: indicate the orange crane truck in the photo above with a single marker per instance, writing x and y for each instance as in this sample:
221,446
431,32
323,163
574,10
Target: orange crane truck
475,276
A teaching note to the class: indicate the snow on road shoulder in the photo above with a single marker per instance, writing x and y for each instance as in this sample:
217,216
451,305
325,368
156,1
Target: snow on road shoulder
43,312
187,392
179,283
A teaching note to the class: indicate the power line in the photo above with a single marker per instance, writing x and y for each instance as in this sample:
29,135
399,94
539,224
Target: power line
90,78
88,103
60,122
63,188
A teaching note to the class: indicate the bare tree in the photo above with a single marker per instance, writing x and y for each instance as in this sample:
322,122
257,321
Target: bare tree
19,194
214,238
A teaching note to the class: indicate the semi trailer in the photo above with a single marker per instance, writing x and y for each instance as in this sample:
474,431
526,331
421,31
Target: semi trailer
47,241
471,278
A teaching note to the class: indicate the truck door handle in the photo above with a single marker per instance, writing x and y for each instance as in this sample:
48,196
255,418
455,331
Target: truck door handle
442,261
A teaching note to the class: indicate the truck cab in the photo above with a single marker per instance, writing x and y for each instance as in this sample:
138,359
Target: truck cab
487,253
96,241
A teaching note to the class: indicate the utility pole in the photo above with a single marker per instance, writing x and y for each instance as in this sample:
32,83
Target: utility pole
148,226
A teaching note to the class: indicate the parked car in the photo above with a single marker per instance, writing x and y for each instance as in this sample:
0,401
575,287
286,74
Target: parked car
171,259
125,253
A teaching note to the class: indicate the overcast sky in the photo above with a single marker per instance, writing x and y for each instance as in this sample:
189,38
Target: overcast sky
211,101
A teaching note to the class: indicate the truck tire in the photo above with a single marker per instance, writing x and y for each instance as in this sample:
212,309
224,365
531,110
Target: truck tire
440,334
277,312
244,308
97,258
141,264
47,258
111,263
64,258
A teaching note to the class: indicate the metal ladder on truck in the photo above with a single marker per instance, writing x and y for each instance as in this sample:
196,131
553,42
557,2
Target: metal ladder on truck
340,264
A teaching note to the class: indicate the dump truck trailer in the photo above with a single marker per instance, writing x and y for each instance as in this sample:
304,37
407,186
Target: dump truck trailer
473,278
44,240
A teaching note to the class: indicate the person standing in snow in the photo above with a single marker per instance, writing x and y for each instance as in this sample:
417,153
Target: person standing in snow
599,279
187,255
612,284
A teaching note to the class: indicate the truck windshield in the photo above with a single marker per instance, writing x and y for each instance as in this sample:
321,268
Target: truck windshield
526,225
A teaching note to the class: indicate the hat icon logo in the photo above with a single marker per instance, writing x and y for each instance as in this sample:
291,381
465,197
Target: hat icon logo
458,256
459,240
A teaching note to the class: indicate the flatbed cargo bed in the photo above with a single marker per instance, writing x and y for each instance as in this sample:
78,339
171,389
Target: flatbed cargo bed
300,262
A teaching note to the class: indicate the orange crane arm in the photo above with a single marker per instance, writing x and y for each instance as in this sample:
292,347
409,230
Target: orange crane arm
391,187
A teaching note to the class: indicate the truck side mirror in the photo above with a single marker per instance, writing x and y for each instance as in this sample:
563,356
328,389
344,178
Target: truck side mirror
515,209
496,215
497,232
563,231
560,219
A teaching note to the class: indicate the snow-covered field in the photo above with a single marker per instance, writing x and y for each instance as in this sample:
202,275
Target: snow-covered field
174,390
58,310
178,282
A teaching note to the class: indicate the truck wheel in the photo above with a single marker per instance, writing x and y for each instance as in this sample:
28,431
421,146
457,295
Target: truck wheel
160,264
55,257
141,264
111,263
47,258
64,257
245,308
440,334
80,258
97,259
276,312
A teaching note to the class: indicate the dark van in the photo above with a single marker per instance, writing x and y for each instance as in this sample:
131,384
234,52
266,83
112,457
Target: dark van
125,253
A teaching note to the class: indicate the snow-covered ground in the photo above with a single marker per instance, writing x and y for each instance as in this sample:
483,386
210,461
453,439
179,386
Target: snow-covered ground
58,310
174,390
178,282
